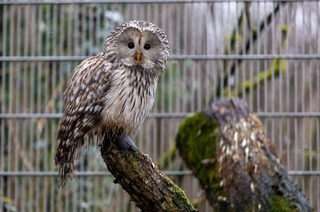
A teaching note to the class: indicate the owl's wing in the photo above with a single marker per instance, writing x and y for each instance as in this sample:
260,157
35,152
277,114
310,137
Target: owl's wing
83,98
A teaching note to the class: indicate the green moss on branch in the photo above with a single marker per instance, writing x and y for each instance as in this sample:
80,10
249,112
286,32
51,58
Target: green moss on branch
196,140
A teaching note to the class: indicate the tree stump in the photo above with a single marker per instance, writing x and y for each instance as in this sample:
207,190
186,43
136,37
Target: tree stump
228,150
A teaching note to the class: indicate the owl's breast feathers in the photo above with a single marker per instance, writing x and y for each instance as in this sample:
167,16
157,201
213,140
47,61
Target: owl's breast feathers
129,99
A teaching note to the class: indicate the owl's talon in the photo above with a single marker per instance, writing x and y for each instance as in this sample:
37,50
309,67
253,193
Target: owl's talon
121,141
125,143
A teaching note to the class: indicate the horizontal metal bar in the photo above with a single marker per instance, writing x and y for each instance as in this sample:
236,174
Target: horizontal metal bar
160,115
106,173
36,2
59,115
287,114
77,174
173,57
304,173
41,58
31,115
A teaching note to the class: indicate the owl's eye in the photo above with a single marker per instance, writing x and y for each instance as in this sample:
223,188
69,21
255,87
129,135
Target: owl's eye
131,45
147,47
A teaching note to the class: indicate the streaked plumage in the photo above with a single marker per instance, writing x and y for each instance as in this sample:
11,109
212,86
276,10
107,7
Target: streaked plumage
112,91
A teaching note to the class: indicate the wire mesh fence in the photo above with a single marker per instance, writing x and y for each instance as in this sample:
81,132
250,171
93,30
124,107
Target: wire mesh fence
266,52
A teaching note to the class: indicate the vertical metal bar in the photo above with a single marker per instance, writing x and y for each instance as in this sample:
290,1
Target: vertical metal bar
239,75
163,93
251,74
23,187
228,30
259,45
184,67
311,122
199,50
280,78
303,98
191,69
273,89
3,104
76,33
37,41
177,50
49,22
207,45
117,196
16,138
223,25
11,72
296,148
26,96
287,96
169,82
147,13
170,67
265,62
30,44
43,47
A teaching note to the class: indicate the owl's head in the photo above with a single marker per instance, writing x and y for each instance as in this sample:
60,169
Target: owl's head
138,44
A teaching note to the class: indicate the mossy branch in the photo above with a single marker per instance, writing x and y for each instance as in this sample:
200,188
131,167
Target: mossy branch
147,186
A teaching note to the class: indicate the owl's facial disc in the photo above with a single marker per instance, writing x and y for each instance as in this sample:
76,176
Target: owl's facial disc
139,48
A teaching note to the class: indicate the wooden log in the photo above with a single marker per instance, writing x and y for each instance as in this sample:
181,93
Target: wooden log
228,150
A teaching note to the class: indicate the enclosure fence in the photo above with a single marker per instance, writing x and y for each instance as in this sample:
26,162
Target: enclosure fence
266,52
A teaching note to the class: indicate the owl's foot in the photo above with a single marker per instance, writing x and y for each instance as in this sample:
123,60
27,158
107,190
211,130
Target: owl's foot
121,141
125,143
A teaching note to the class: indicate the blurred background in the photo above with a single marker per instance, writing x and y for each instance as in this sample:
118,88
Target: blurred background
267,52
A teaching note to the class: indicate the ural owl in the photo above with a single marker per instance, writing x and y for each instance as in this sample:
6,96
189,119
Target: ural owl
112,91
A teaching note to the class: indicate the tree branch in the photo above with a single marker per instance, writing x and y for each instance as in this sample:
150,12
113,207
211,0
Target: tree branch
135,172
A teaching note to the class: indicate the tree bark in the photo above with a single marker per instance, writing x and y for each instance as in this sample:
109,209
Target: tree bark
136,173
227,149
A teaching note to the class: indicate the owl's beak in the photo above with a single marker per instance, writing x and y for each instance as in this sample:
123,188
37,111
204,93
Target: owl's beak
137,55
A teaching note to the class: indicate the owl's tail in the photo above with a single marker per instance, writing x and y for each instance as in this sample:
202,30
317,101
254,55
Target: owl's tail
68,150
66,159
75,131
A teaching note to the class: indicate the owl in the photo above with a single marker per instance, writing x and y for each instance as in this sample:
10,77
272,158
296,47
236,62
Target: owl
112,92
